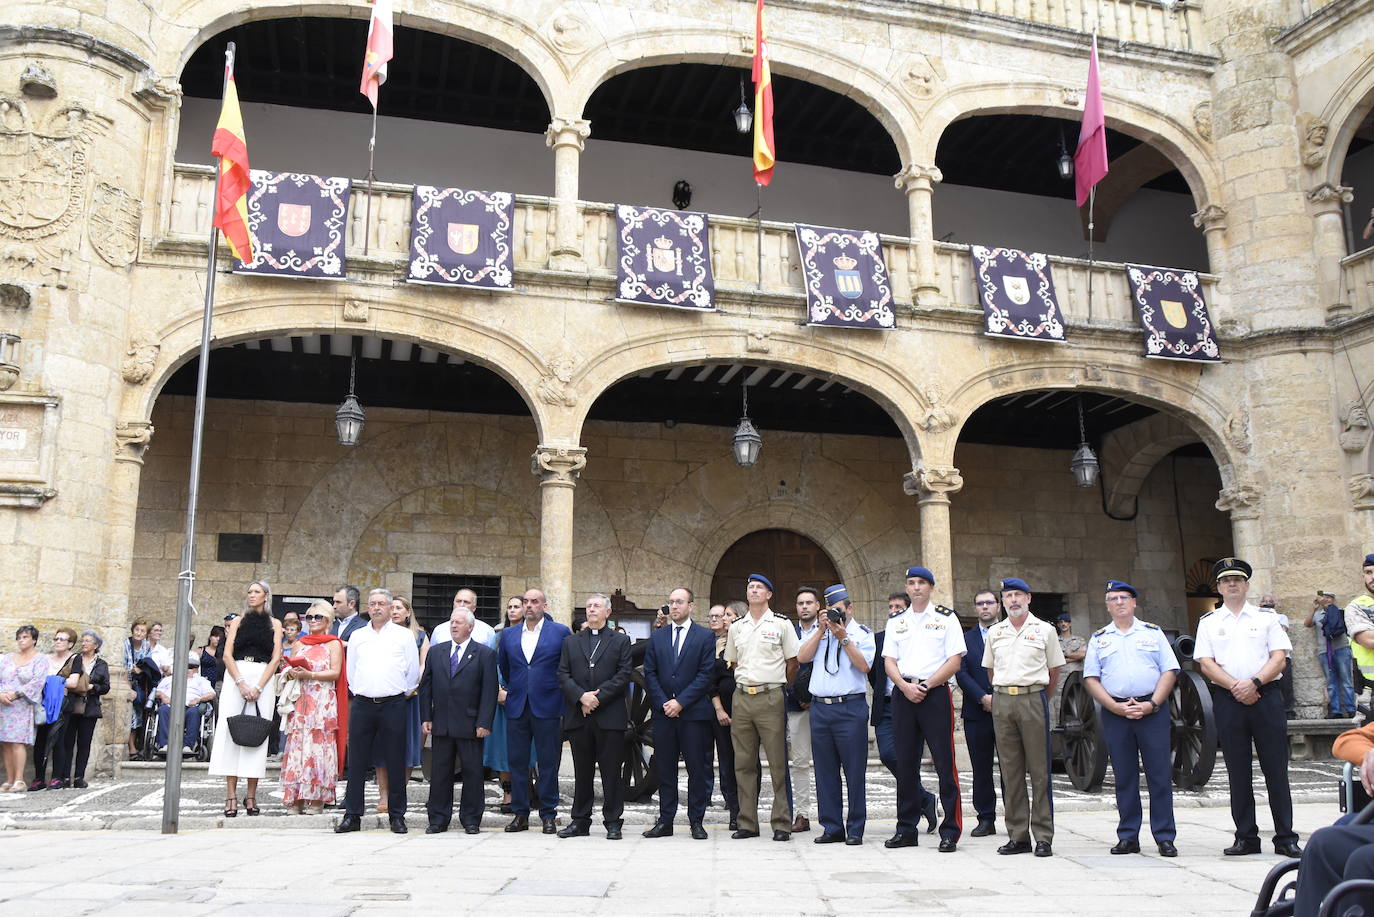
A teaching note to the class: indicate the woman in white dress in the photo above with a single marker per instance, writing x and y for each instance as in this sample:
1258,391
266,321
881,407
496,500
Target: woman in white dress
252,650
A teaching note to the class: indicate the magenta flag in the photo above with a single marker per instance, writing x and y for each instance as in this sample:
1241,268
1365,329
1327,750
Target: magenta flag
1090,159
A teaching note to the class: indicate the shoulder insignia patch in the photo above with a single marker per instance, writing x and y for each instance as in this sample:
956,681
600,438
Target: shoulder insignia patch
944,610
1148,626
1099,633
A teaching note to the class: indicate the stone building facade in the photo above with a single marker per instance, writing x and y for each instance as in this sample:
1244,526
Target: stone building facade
102,259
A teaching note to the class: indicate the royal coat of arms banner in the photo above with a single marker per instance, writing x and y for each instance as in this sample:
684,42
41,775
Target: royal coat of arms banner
1017,290
1173,314
297,222
845,277
461,238
664,258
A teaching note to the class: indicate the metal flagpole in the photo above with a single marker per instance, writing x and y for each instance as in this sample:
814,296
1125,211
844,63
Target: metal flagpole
176,714
758,224
1092,199
371,153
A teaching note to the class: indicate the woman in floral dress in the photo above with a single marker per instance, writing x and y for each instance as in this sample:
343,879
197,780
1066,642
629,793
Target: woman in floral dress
22,675
317,731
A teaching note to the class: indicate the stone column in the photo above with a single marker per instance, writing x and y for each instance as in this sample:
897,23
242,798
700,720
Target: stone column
1242,501
1328,243
566,137
558,468
932,486
1212,221
918,183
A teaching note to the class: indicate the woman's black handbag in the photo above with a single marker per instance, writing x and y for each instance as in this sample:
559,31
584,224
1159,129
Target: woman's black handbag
249,729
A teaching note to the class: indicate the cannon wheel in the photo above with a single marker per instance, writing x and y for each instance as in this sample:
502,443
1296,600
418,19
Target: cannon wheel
638,773
1085,753
1193,737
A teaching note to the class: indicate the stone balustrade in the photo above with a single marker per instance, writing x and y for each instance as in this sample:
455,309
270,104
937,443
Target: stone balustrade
1146,22
735,255
1357,280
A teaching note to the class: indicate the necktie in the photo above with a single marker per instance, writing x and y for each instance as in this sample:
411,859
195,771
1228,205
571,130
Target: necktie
677,641
453,661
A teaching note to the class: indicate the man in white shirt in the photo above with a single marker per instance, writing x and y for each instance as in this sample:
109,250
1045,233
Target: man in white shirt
383,668
198,691
482,632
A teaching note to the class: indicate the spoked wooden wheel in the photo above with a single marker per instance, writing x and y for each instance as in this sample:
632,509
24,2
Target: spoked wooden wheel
1193,736
1085,753
638,772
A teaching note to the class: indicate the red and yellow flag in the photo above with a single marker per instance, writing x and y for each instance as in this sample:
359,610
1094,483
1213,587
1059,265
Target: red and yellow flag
763,105
379,50
231,147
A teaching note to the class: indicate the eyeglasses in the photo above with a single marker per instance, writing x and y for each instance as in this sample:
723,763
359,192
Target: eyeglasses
981,604
314,617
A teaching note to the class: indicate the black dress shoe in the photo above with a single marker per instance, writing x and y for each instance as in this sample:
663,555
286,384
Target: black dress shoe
79,784
613,832
1167,849
902,840
782,835
741,834
436,829
574,829
1243,848
734,822
1288,849
518,823
828,839
984,829
348,823
398,824
854,840
1043,849
550,825
471,829
929,811
660,829
948,845
698,831
1126,847
1014,847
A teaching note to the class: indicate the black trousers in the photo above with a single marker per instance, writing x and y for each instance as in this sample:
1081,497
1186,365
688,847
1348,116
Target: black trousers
1334,855
376,732
932,722
451,755
725,753
689,740
593,749
45,745
1263,725
981,741
75,742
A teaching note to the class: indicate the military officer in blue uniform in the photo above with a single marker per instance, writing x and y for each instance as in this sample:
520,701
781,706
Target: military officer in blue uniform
1130,670
842,650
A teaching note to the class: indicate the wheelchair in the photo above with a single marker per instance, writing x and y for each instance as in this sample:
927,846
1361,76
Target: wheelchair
200,742
1345,900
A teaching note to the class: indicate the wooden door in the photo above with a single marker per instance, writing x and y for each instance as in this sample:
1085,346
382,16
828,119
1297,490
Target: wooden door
788,559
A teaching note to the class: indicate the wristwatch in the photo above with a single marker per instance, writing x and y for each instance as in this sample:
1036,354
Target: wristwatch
1258,684
846,641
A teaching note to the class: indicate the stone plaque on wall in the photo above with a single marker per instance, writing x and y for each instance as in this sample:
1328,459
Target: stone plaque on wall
28,434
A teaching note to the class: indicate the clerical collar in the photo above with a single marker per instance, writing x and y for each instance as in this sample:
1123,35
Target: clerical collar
596,632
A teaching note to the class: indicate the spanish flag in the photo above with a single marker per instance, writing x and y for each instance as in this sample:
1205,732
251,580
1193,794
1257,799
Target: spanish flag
231,147
763,105
378,52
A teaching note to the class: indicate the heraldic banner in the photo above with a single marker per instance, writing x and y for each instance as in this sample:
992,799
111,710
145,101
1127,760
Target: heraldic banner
846,278
1017,290
461,238
664,258
1173,314
298,223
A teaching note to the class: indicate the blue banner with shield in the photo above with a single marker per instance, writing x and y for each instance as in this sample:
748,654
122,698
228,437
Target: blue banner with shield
1017,291
1173,314
664,258
845,277
461,238
297,222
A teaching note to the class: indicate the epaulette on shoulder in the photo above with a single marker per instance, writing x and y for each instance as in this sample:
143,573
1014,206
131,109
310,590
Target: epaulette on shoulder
1101,631
1149,626
944,609
1206,616
865,628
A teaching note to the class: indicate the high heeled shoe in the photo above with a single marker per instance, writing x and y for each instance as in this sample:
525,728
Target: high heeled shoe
251,809
231,807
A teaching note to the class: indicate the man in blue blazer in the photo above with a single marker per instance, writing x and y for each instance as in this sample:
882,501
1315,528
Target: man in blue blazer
457,706
679,665
528,659
973,681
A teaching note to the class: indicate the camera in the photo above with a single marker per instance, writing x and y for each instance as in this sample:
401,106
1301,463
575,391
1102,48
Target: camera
835,614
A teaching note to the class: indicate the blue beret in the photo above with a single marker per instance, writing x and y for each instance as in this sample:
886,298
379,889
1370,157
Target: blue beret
923,572
836,593
1231,566
1065,616
1015,582
1116,585
760,578
1368,560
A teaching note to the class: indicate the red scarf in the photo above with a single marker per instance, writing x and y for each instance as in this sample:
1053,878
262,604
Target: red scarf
340,690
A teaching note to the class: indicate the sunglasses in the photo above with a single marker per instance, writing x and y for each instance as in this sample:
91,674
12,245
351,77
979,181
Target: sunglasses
314,617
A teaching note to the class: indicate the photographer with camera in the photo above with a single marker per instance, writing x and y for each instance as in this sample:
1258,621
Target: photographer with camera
842,651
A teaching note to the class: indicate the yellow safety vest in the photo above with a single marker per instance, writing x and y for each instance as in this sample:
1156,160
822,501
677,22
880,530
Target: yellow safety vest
1363,656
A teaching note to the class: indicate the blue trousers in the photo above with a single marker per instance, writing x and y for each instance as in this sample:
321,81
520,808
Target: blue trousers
1333,855
839,742
193,717
981,746
887,750
1340,681
1133,745
547,734
690,740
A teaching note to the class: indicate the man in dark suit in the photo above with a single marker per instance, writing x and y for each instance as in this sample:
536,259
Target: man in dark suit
977,688
881,715
457,706
528,659
593,670
679,667
346,617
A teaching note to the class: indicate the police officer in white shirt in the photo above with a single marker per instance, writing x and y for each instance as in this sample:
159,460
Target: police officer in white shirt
383,669
1242,649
